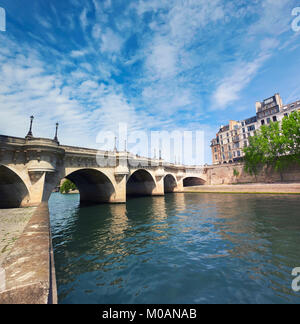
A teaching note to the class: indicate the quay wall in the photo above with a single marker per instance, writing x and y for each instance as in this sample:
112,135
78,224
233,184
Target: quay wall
29,268
235,174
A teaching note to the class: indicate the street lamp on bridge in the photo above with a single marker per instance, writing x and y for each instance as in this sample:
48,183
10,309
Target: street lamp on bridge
29,135
56,131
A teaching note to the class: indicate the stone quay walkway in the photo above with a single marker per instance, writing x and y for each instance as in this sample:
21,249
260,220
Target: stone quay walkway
255,188
12,224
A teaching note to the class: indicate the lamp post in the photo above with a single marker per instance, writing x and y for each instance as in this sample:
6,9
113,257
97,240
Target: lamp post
29,135
115,148
56,131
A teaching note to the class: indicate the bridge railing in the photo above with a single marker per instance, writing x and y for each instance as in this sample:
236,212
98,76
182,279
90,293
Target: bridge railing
12,140
136,159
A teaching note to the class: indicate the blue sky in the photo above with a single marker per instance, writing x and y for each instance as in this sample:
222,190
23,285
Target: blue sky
156,65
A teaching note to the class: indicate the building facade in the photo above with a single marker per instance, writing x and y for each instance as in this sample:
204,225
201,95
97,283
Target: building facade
231,139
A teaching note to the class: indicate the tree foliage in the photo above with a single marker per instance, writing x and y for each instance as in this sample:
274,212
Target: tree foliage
276,145
67,186
291,132
236,173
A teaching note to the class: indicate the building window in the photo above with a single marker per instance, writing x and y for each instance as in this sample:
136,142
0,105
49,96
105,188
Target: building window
229,148
251,128
262,122
215,150
286,115
239,153
274,119
216,157
244,131
268,101
268,120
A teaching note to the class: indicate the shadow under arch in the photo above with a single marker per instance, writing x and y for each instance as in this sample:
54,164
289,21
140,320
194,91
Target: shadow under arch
13,191
193,181
93,185
170,183
140,183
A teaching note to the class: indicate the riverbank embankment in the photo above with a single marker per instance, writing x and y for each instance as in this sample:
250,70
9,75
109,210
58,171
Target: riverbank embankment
27,268
256,188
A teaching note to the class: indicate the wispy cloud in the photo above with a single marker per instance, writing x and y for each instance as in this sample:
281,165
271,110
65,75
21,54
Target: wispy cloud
262,42
83,18
111,41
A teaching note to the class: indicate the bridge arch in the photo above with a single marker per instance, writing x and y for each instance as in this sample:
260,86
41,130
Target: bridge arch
140,183
193,181
13,190
94,186
170,183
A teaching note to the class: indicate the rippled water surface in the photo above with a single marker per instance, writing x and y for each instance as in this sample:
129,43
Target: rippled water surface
181,248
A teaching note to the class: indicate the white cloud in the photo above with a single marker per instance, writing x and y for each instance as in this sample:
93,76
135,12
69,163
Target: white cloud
82,105
162,61
44,22
273,21
274,18
77,53
239,77
111,42
96,32
83,18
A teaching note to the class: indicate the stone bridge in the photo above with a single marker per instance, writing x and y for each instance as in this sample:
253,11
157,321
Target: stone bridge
31,168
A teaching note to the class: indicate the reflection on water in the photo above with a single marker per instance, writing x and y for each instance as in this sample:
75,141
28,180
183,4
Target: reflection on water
181,248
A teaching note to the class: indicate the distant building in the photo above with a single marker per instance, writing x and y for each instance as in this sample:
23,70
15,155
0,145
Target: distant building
228,145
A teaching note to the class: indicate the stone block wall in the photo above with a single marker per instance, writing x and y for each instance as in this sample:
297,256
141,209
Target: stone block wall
225,174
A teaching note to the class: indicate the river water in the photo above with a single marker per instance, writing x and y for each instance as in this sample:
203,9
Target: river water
181,248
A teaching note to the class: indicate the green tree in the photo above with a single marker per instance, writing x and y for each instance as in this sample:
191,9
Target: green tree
236,173
291,132
254,154
67,186
276,145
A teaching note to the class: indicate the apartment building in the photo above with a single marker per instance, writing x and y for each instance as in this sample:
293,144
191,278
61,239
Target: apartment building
231,139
